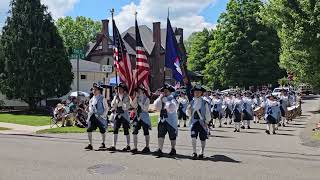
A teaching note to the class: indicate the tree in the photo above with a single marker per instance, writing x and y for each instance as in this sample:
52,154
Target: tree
77,33
298,26
36,64
198,48
244,51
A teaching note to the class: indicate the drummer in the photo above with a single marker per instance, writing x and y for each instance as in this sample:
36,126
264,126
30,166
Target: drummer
284,102
272,112
228,104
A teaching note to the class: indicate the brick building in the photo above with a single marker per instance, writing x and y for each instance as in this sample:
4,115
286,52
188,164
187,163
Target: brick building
154,41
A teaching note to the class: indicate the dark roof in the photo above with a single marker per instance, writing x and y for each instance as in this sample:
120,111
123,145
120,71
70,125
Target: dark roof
195,74
146,37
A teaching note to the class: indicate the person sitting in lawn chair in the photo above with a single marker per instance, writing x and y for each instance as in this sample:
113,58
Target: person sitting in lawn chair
81,117
60,113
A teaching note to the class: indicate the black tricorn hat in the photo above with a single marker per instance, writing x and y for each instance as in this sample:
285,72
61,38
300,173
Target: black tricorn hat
95,85
123,86
198,88
168,87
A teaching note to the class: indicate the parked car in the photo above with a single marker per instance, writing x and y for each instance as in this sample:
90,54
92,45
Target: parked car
277,91
305,89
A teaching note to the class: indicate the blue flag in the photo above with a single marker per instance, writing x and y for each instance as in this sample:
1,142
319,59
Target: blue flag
172,57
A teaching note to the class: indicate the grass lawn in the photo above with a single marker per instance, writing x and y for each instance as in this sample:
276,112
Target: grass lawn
316,135
3,129
24,119
74,129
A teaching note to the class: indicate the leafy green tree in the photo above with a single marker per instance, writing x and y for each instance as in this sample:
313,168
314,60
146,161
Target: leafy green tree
198,48
298,26
35,62
244,51
76,33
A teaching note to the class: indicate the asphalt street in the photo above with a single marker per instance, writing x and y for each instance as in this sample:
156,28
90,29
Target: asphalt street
250,154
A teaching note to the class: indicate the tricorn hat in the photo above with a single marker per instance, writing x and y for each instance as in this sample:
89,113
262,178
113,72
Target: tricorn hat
123,86
168,87
198,88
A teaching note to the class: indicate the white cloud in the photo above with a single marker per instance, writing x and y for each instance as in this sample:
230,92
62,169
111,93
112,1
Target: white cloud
183,13
57,8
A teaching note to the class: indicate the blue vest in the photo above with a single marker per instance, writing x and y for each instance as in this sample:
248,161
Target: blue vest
145,115
274,111
172,117
203,112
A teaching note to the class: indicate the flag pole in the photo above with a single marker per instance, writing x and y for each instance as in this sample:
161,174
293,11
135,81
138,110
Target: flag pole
136,23
164,67
112,15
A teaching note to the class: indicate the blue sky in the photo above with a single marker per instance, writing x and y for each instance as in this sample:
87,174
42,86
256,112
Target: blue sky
192,15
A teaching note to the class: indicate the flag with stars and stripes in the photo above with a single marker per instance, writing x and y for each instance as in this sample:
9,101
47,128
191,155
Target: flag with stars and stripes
122,61
142,68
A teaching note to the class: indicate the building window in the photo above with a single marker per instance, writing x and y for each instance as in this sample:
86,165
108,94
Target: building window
83,77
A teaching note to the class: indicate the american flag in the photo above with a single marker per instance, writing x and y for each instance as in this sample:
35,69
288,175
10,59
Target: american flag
122,60
143,68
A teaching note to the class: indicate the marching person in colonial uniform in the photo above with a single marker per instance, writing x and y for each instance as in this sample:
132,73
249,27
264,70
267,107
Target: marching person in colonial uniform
247,110
217,109
272,113
228,103
199,113
98,110
284,104
121,105
167,105
142,119
237,112
183,103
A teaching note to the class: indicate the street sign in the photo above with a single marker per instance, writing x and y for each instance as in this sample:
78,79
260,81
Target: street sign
106,68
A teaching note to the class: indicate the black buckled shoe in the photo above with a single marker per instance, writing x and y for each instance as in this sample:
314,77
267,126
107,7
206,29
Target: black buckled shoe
201,156
146,150
173,152
267,131
103,146
249,127
235,130
242,127
89,147
194,156
159,153
274,132
127,148
134,151
111,148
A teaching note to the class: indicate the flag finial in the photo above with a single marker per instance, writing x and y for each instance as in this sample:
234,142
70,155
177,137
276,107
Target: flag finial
112,12
135,15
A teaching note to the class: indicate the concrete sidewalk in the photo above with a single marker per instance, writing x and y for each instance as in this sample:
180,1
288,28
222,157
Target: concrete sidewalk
21,129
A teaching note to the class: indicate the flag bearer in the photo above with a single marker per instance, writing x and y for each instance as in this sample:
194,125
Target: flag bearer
98,110
183,103
199,113
167,105
121,105
142,119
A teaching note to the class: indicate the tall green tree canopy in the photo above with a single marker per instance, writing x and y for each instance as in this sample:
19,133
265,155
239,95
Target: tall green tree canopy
35,61
76,33
198,48
244,51
298,26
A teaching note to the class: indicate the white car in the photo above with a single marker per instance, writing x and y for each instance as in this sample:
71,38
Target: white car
277,91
